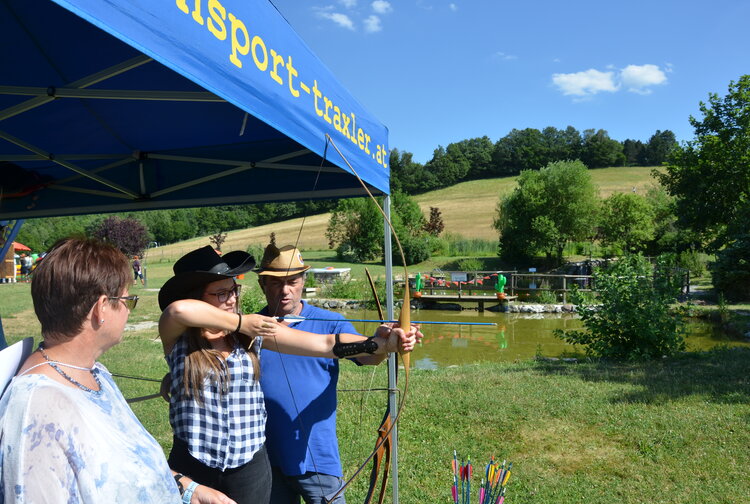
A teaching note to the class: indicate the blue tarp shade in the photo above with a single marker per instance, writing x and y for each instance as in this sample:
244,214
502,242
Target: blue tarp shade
109,106
141,104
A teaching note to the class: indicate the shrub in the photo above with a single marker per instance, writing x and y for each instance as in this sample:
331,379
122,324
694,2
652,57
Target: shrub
731,271
129,235
256,250
416,250
633,320
253,299
469,264
545,297
453,245
693,261
345,289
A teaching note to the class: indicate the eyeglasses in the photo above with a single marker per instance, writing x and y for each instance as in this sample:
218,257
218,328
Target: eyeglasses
222,296
129,301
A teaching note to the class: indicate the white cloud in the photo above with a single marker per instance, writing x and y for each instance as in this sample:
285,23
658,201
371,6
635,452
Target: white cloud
638,78
505,57
633,78
349,4
381,6
453,7
342,20
586,83
372,24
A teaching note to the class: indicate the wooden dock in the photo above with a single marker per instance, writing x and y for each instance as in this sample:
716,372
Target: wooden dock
459,298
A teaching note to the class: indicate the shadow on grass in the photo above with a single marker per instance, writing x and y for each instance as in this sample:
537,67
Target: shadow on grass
721,375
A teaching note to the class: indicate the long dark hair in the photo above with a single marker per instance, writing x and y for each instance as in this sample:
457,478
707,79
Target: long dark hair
202,361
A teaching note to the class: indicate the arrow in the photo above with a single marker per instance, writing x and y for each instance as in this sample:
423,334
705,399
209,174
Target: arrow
297,318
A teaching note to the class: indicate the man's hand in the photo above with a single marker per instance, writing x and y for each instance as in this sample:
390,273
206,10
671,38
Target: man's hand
398,339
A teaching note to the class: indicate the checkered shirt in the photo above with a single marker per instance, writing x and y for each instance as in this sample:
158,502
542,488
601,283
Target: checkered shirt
228,429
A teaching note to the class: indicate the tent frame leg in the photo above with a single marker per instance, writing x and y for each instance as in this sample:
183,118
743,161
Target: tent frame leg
10,231
392,358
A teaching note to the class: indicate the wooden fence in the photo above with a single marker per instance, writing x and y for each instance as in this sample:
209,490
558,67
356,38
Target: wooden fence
518,284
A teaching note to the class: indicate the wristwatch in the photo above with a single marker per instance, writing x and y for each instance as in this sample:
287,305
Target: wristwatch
177,478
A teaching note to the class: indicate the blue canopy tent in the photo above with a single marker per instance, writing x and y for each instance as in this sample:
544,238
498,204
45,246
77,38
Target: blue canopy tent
122,105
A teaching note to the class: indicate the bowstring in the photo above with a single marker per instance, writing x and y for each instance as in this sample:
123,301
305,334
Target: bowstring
276,343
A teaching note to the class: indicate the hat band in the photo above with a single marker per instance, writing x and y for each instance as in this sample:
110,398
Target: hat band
219,268
283,269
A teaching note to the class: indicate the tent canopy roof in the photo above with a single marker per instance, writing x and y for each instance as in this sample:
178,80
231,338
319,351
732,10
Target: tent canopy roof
109,106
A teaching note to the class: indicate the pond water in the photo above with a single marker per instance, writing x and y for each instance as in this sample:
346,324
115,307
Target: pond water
517,336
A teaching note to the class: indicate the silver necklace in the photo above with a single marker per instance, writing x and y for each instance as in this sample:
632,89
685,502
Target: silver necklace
55,365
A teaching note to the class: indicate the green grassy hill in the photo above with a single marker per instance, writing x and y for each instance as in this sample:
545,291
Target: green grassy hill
467,208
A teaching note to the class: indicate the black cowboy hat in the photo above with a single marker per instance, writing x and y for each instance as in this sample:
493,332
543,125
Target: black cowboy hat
200,267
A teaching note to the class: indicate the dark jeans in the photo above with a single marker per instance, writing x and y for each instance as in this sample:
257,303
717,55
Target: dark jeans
310,487
247,484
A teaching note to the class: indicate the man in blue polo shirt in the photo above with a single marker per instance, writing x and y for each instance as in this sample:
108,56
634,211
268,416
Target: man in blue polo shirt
300,392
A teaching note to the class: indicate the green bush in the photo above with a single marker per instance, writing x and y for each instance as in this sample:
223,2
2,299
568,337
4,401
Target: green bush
544,297
345,289
457,245
256,250
353,289
731,271
693,261
345,253
633,320
416,250
469,264
253,299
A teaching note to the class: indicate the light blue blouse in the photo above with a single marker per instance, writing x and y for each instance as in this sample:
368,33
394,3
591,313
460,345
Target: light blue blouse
62,444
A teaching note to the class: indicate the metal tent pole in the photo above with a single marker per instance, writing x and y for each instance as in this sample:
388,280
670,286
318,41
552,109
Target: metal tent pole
10,231
392,358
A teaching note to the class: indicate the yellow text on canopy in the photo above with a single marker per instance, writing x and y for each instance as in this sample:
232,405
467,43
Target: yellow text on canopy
226,26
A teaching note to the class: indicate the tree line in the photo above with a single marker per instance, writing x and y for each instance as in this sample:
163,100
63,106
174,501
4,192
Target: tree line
169,226
519,150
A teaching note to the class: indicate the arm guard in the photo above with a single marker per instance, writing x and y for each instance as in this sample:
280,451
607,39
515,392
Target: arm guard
342,350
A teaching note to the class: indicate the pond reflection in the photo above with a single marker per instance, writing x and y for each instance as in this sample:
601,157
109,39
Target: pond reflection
517,336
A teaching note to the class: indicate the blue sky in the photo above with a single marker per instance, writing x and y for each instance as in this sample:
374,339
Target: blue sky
436,72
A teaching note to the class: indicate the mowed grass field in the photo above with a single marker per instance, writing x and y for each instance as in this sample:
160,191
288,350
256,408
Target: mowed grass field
468,209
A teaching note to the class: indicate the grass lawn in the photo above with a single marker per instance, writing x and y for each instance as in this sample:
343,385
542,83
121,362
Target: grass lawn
672,431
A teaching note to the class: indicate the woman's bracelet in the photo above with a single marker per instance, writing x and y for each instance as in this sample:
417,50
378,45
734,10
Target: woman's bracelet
189,492
239,322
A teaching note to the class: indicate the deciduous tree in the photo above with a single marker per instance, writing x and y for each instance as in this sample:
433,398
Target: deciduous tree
129,234
627,221
549,207
710,175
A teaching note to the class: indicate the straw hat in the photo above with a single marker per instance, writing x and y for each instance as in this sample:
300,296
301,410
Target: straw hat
200,267
281,262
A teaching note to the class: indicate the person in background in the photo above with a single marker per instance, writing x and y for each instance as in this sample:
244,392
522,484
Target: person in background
137,271
66,432
25,264
300,392
216,409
